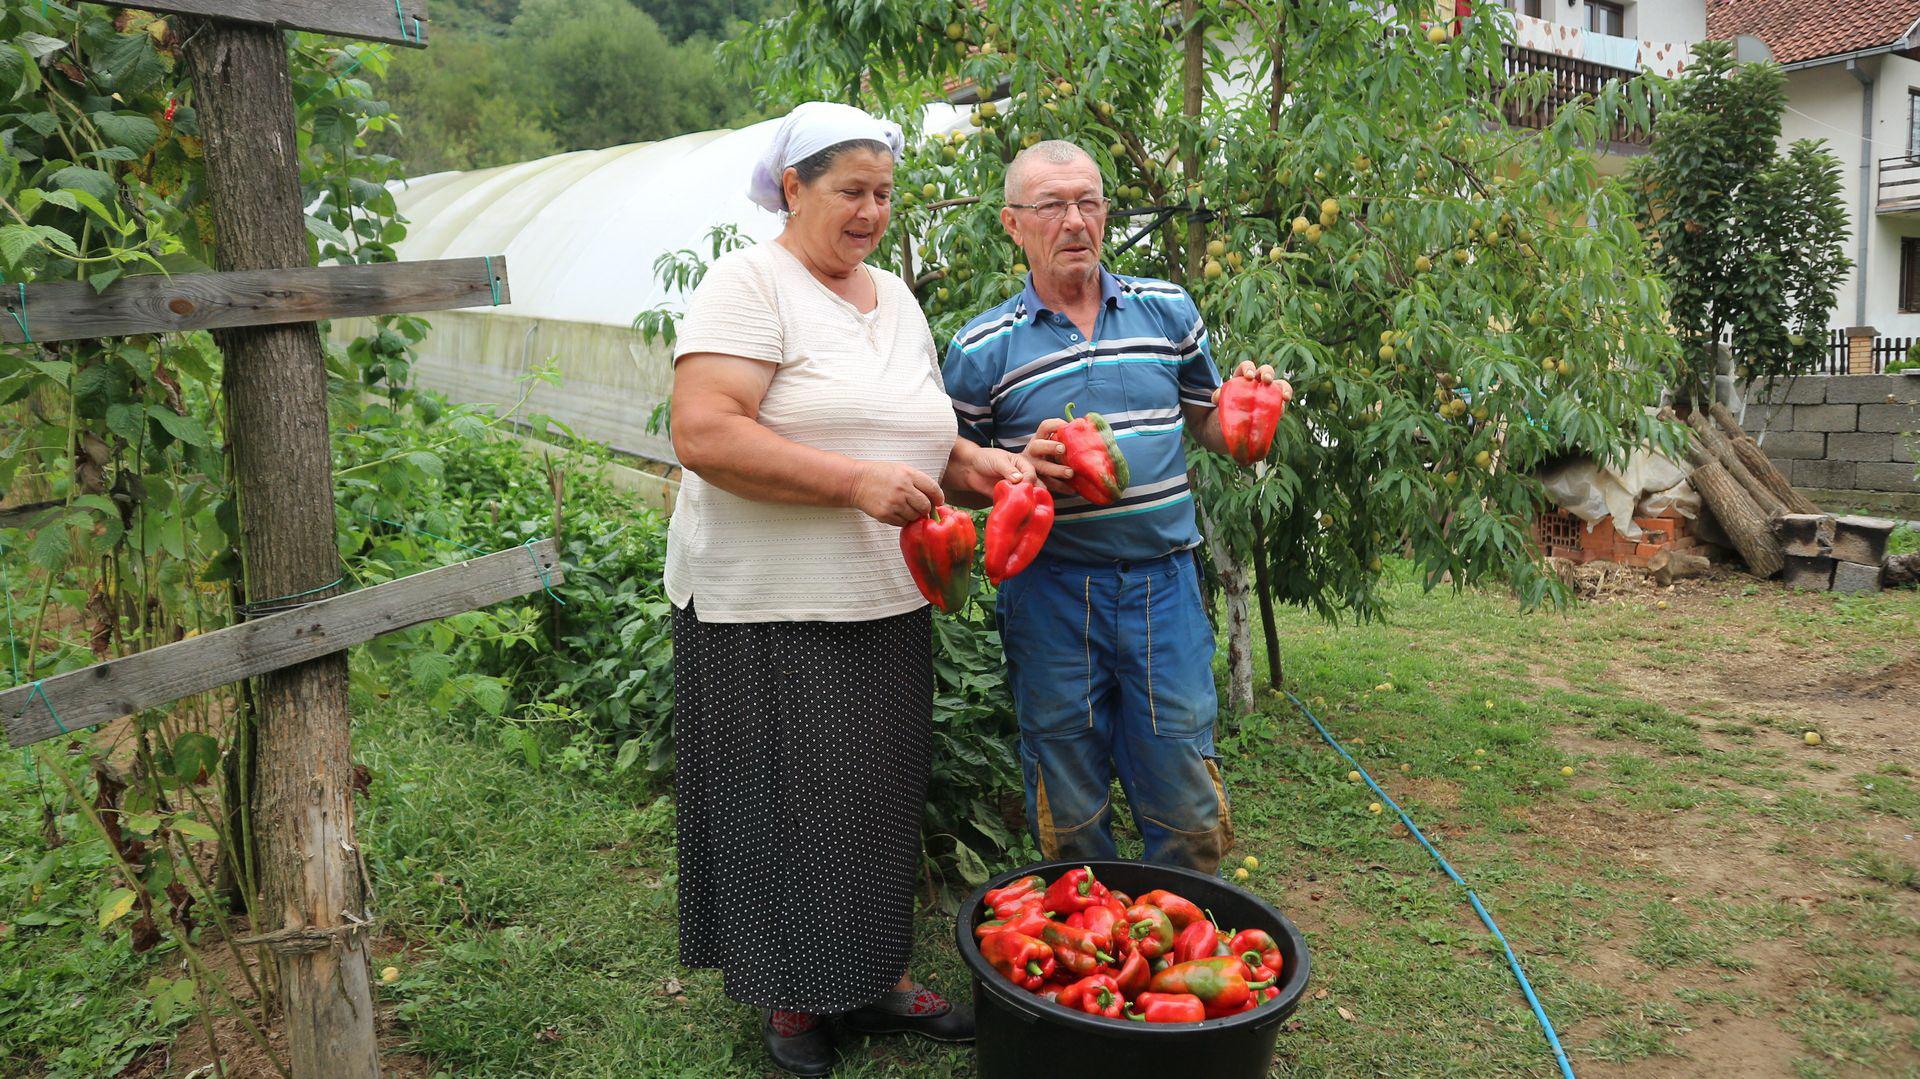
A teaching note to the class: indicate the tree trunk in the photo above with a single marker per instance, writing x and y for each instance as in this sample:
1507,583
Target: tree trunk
1716,444
1233,581
1263,583
1736,513
275,385
1756,460
1192,85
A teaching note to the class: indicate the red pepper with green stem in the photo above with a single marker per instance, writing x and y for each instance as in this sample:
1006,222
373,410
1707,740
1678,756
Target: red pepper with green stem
1100,473
1135,974
1075,891
1096,994
1167,1008
1258,949
1076,950
1182,911
1151,930
1017,527
1031,922
1198,940
1021,959
1220,983
939,553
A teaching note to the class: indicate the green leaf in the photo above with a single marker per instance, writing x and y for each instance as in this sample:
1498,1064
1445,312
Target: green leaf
326,233
129,64
430,670
129,130
195,830
195,754
38,45
16,240
629,753
80,178
185,428
971,868
115,905
52,545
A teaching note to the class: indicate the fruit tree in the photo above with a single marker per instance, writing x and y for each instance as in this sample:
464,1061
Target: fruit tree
1455,299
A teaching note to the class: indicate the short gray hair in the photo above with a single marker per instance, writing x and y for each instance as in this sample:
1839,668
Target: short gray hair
1052,151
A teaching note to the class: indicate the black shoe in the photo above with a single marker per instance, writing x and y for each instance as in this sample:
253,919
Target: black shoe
913,1011
808,1052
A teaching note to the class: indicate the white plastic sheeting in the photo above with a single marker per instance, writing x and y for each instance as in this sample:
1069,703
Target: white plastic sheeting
1645,486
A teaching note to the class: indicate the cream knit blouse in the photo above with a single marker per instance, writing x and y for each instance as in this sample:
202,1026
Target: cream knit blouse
863,385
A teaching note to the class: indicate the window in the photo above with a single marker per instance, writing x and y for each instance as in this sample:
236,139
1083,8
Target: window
1909,274
1606,18
1529,8
1913,123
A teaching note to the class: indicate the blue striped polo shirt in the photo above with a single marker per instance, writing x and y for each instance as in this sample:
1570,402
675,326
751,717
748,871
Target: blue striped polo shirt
1020,363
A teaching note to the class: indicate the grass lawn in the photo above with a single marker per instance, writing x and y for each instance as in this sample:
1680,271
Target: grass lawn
1706,894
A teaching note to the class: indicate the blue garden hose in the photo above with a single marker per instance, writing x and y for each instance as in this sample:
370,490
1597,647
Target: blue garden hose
1513,962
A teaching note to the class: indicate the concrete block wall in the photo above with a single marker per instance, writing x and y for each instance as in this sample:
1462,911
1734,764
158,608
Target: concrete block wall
1842,432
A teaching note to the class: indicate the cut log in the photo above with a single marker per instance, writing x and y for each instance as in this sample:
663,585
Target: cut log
1861,539
1900,570
1758,462
1742,520
1814,574
1669,566
1716,443
1808,535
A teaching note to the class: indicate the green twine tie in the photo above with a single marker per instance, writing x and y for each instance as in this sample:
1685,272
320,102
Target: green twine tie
20,314
39,690
546,581
492,281
419,36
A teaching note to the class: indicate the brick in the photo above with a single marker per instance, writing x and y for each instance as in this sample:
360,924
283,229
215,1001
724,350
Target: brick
1598,536
1892,419
1828,417
1648,550
1783,445
1808,390
1854,577
1854,446
1812,573
1896,476
1873,390
1654,524
1834,474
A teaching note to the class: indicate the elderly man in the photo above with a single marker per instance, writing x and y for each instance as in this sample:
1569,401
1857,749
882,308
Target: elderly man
1108,647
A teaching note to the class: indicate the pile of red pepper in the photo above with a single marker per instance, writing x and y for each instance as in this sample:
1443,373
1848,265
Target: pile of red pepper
1154,959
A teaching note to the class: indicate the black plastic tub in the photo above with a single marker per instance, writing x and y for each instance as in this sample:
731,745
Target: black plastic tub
1021,1035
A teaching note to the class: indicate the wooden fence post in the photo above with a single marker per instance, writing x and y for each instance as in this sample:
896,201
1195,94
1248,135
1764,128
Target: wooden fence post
275,384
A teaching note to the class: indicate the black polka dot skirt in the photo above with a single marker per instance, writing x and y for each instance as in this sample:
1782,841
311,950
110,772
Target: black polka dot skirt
802,757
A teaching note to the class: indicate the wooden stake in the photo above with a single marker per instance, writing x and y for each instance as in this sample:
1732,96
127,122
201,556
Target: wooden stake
275,385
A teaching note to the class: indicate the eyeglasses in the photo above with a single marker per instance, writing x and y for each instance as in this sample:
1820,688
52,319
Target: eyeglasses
1055,209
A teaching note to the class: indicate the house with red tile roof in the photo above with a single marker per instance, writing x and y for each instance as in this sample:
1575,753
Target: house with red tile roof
1853,79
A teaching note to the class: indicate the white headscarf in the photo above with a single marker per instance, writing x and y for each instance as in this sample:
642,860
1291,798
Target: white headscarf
807,130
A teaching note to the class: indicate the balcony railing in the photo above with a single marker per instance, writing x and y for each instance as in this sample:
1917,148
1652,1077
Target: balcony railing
1571,80
1899,185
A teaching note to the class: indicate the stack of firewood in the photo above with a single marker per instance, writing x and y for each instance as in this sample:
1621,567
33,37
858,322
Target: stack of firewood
1775,528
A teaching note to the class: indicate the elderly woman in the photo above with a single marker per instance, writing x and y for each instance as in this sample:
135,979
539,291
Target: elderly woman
810,417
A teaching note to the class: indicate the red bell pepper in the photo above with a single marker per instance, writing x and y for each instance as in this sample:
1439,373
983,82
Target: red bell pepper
1030,922
1134,974
1183,912
1199,940
939,550
1151,930
1096,994
1250,412
1024,961
1076,950
1017,527
1120,898
1005,902
1100,473
1220,983
1075,891
1106,926
1257,948
1167,1008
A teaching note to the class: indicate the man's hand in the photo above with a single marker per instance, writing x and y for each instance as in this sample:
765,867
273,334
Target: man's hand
1046,454
1264,373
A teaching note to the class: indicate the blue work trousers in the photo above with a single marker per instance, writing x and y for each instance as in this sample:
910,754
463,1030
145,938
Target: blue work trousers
1112,674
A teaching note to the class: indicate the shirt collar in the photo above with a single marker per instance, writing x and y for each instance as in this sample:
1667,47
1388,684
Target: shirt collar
1111,292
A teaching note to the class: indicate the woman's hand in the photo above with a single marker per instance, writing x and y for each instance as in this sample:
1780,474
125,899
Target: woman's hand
1045,455
973,471
893,493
